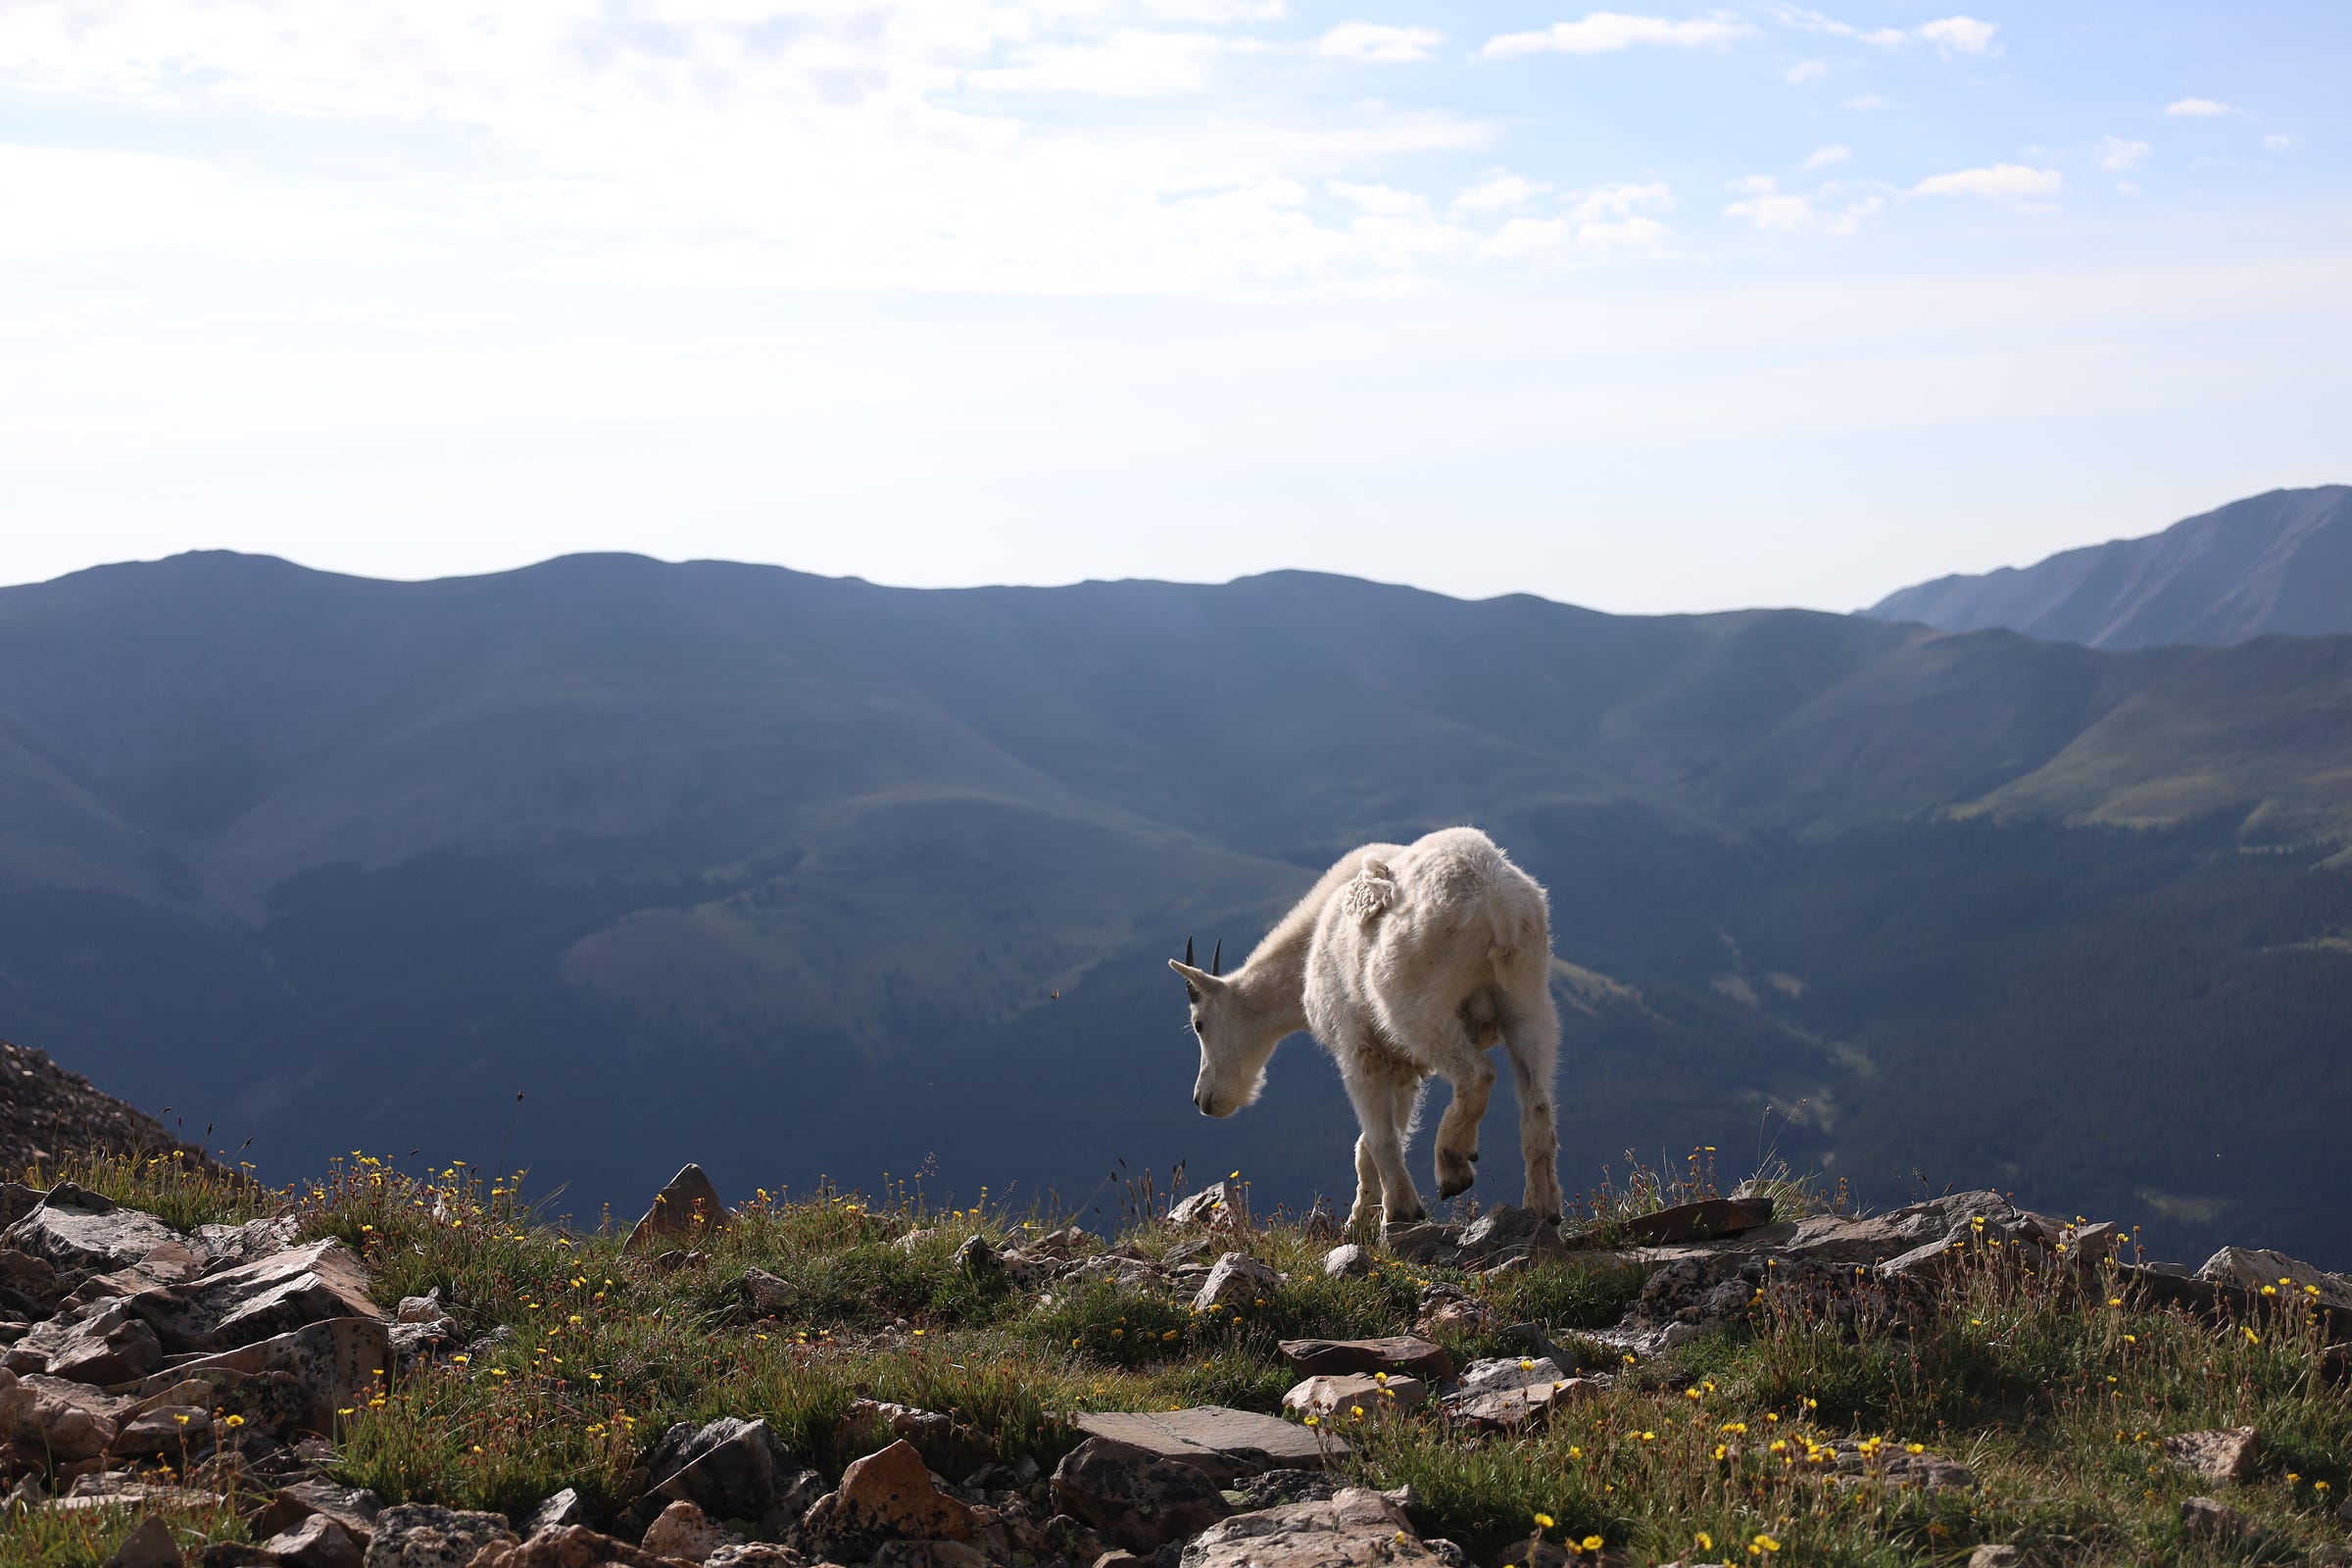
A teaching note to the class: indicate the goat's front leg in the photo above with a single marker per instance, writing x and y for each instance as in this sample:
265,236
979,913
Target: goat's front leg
1363,1215
1532,1037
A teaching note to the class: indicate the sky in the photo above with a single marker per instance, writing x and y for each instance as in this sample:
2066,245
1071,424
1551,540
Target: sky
1652,310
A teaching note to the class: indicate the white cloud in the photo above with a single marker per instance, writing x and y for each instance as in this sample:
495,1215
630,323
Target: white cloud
1869,102
1784,212
1605,220
1498,192
1824,157
1806,70
2196,108
1527,236
2004,183
1964,36
1385,200
2118,154
1768,208
1625,234
1621,201
1130,64
2283,144
1606,31
1374,44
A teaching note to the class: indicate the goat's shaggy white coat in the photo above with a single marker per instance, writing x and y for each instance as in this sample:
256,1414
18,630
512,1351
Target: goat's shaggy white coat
1406,961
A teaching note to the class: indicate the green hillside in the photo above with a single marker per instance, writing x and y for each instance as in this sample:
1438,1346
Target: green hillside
784,873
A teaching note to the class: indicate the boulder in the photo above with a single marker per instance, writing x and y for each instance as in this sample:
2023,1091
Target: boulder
17,1201
1373,1392
884,1497
684,1531
150,1545
1356,1529
80,1233
260,1300
243,1244
99,1343
318,1541
69,1421
1404,1354
687,1208
730,1469
1225,1203
1136,1498
164,1266
2219,1459
2250,1268
166,1431
566,1547
298,1380
1346,1261
1505,1228
415,1534
1223,1444
1237,1284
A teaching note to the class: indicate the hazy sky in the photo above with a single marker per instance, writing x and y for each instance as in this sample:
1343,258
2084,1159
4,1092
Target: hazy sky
1655,309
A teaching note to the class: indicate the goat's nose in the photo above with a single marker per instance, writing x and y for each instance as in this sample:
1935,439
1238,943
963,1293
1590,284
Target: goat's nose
1201,1102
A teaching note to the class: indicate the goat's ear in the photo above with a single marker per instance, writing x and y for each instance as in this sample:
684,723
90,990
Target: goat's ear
1198,981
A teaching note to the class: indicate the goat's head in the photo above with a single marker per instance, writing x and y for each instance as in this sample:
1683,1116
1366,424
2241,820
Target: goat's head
1232,1060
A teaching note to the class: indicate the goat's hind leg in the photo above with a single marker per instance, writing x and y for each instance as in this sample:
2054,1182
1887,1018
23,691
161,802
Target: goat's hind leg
1465,1066
1532,1035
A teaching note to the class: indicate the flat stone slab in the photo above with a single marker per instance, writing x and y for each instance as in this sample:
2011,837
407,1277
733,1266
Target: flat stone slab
1402,1352
1226,1444
1710,1217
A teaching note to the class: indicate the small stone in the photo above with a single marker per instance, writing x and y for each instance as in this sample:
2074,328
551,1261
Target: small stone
889,1495
415,1534
1341,1396
767,1294
688,1207
1141,1500
1346,1261
318,1541
355,1508
167,1430
1356,1529
425,1308
1237,1284
682,1530
2220,1459
1399,1353
1989,1556
150,1545
1222,1443
979,1259
2209,1520
1225,1203
1520,1410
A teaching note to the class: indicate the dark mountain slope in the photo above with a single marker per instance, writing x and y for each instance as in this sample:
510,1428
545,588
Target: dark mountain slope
2272,565
784,873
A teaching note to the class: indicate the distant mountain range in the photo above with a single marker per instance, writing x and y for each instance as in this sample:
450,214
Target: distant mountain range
799,877
2276,565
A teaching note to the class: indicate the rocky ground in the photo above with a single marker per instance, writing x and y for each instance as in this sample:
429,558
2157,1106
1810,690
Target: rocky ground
404,1370
47,1112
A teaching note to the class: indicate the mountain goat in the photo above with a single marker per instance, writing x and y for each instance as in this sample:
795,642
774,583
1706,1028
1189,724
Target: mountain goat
1405,960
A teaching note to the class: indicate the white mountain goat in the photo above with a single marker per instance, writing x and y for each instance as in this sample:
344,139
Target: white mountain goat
1405,960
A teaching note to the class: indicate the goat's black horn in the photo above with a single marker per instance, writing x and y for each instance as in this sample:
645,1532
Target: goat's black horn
1187,952
1216,960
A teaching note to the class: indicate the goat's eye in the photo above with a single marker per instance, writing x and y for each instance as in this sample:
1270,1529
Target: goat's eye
1197,1029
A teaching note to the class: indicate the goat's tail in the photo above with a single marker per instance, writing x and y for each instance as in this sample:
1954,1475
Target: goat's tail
1370,893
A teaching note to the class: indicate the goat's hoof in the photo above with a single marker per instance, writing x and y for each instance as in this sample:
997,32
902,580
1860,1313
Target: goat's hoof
1453,1184
1473,1157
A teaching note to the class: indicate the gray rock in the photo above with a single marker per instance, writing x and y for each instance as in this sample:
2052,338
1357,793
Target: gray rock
1401,1354
1276,1488
99,1343
1356,1528
1523,1408
1421,1242
1136,1498
1341,1393
17,1201
2250,1268
730,1469
248,1242
1225,1203
765,1294
755,1554
2208,1520
150,1545
688,1207
415,1534
1237,1283
318,1541
296,1380
685,1532
258,1300
80,1233
355,1508
979,1259
1346,1260
167,1431
2219,1458
565,1507
884,1497
425,1308
29,1285
1989,1556
1501,1229
1223,1444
